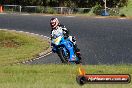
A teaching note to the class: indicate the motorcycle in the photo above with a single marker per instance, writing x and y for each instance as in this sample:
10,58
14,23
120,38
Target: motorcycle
65,50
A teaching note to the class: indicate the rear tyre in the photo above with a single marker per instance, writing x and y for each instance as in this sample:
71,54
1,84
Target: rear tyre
79,59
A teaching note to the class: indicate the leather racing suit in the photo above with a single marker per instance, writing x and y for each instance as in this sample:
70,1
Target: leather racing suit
61,30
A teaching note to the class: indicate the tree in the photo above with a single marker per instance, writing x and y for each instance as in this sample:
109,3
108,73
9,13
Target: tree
66,3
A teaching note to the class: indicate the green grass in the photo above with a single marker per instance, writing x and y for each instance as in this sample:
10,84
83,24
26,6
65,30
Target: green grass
16,47
127,10
57,76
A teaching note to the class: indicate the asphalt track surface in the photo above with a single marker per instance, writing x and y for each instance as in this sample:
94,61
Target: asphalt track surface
102,41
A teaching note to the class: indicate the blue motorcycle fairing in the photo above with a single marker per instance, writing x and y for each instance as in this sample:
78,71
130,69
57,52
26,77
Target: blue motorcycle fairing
67,45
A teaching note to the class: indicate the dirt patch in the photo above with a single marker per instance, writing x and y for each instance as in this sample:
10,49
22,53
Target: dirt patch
9,44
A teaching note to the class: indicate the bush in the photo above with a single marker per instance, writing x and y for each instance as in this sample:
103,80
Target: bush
113,12
96,9
86,10
40,9
50,10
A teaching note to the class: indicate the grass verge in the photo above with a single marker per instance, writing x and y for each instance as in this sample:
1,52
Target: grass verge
57,76
17,47
127,10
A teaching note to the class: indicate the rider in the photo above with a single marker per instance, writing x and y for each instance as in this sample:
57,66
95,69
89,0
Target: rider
59,29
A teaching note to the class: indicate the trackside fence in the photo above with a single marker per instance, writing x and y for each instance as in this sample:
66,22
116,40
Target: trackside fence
54,10
42,9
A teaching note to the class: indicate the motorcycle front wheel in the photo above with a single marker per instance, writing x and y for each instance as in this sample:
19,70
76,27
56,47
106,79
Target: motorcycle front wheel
64,55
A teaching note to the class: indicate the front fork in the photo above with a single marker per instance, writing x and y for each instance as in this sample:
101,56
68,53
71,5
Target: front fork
70,48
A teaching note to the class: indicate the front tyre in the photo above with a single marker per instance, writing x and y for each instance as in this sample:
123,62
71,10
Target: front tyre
64,56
